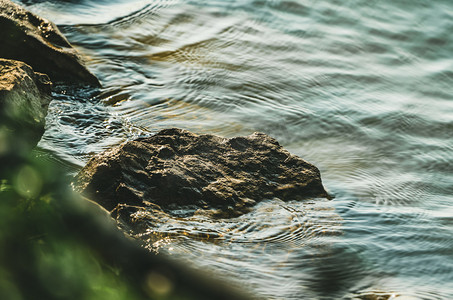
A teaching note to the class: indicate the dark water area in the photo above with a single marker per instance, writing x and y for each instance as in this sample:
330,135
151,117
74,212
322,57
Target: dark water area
362,89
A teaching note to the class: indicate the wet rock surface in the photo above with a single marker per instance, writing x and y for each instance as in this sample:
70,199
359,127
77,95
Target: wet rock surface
379,295
27,37
24,98
176,168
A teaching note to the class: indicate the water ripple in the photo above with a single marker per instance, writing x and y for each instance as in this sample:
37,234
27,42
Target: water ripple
360,88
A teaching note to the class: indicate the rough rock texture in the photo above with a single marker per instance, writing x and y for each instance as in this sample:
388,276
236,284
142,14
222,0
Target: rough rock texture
38,42
176,168
378,295
24,98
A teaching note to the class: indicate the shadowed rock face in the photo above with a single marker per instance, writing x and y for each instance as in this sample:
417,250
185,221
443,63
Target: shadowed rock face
176,168
24,98
38,42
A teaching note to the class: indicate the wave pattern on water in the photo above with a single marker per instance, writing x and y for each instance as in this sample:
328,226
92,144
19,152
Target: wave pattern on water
363,89
273,234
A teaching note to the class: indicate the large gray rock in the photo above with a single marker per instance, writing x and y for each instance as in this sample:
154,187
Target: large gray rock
176,168
24,98
29,38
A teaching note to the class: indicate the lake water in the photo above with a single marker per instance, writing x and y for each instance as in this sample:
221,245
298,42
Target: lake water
362,89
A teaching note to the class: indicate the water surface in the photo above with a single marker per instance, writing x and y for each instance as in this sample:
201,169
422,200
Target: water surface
362,89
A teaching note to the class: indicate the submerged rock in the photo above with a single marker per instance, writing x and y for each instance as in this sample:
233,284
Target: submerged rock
379,295
29,38
24,98
179,169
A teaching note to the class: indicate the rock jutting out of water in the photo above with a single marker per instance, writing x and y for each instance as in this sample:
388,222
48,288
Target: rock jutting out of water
29,38
179,169
24,98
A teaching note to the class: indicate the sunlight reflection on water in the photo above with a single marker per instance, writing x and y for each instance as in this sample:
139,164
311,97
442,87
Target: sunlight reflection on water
361,89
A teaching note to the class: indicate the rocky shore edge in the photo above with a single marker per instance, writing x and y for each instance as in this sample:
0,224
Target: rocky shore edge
33,54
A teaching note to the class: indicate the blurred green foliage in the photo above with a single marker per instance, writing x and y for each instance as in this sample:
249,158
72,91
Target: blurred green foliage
40,257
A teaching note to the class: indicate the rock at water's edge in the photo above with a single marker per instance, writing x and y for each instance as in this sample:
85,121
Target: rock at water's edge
24,98
29,38
176,168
